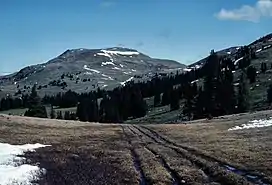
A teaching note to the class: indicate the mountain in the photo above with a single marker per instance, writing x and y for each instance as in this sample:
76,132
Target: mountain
83,70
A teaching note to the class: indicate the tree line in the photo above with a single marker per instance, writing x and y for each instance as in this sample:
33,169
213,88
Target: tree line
217,96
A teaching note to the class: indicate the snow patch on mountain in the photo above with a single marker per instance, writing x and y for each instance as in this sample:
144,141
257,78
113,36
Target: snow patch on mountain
107,63
109,77
236,61
89,69
106,55
128,80
117,68
128,53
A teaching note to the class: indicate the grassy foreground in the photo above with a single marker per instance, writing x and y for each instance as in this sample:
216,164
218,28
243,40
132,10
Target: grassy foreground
199,152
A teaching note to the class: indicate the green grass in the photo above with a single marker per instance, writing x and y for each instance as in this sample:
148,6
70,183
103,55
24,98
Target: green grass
15,112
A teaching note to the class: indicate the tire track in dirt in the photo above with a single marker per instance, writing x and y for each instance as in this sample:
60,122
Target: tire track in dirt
254,178
214,172
177,180
136,160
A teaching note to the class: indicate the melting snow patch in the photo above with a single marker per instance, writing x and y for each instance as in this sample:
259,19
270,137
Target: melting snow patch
238,60
89,69
109,78
126,73
192,82
134,70
106,55
104,86
128,80
259,50
107,63
12,171
116,68
121,65
197,66
257,85
228,52
120,52
233,71
254,124
267,46
236,84
187,69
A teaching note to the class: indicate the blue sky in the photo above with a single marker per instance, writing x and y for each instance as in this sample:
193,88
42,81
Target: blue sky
35,31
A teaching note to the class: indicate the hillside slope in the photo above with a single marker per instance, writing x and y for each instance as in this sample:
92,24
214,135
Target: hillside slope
83,70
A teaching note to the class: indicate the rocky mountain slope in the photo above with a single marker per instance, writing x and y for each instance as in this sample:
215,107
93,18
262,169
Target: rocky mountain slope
82,70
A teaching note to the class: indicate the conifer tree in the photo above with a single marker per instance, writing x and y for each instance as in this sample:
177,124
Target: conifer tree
36,109
52,113
243,104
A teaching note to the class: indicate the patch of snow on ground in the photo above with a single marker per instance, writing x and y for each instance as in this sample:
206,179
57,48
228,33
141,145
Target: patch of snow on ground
117,68
257,85
106,55
267,46
233,71
197,66
236,61
254,124
128,80
89,69
120,52
107,63
259,50
187,69
126,73
110,78
192,82
11,168
121,65
236,84
104,86
134,70
228,52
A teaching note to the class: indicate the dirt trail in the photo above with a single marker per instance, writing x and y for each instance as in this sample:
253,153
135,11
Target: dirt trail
214,168
176,179
136,160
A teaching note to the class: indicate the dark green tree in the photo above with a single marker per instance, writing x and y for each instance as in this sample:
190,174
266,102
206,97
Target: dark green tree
243,104
36,109
269,94
263,67
52,113
251,74
157,99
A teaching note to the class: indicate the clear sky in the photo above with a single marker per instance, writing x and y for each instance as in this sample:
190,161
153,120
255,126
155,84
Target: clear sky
34,31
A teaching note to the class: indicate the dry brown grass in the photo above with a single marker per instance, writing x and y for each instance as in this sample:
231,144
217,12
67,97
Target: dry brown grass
250,149
93,153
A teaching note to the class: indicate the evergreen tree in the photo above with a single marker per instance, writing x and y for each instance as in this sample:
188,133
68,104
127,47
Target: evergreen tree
52,113
59,115
269,94
36,109
174,100
243,104
67,115
166,97
251,74
157,99
263,67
